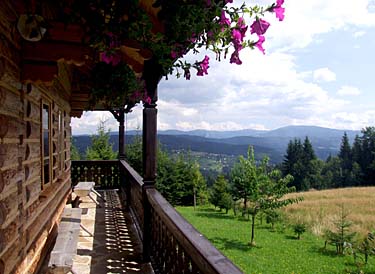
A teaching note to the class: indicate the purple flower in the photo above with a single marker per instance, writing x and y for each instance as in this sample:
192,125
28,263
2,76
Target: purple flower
235,58
223,19
208,3
259,44
279,10
238,34
174,54
259,26
110,58
146,99
203,66
228,1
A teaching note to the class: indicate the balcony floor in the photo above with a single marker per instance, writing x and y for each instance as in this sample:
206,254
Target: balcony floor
114,247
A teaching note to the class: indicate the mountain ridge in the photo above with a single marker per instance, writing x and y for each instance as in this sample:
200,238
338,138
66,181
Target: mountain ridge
273,143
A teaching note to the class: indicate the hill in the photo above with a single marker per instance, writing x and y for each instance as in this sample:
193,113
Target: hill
273,143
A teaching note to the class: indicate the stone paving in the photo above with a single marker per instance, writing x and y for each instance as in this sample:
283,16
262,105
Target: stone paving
114,246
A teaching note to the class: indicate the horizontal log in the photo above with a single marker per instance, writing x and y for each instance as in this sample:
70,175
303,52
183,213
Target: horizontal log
7,235
9,208
32,94
9,181
32,192
11,127
32,170
32,110
54,196
32,130
8,155
11,256
10,71
32,151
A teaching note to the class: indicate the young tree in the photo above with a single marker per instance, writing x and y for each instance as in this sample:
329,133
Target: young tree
266,189
341,235
100,148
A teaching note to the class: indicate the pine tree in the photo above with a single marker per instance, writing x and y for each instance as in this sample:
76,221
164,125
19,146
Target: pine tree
310,167
100,148
345,156
218,190
368,155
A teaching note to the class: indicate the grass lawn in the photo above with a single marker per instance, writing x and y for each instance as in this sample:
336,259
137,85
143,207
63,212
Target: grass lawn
275,252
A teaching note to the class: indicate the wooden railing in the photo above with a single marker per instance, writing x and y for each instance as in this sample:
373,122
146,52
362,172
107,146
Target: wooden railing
172,244
105,174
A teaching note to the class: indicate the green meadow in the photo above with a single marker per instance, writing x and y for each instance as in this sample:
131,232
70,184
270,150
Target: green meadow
277,250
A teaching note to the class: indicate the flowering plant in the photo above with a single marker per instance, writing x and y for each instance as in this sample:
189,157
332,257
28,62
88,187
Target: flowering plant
180,26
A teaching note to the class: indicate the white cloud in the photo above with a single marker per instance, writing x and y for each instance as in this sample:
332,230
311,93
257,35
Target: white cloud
324,75
348,90
304,20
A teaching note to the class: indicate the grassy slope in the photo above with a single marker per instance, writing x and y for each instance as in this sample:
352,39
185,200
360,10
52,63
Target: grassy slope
276,252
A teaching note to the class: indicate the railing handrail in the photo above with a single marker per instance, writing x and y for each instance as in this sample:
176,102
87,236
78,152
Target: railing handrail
94,161
201,251
134,174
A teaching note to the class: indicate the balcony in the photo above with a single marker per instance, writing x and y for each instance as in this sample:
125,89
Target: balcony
141,228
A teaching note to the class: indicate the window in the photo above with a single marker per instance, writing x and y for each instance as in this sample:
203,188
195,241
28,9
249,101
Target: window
46,143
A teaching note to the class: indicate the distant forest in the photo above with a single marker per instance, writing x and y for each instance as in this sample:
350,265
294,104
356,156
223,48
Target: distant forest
353,166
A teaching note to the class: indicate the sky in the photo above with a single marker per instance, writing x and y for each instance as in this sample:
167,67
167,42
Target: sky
319,69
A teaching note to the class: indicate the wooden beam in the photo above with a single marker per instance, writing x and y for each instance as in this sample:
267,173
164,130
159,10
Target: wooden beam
44,72
53,51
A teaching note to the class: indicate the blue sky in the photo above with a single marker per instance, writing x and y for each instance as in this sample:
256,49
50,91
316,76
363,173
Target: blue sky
318,70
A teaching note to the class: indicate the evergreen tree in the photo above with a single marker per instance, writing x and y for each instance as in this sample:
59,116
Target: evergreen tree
301,162
331,175
292,163
219,193
100,148
310,166
368,155
345,156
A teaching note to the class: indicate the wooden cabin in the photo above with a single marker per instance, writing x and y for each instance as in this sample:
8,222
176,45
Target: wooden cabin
42,85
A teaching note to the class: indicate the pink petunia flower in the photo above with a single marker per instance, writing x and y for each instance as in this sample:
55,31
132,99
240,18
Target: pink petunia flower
279,10
203,66
235,58
223,19
259,26
110,58
259,44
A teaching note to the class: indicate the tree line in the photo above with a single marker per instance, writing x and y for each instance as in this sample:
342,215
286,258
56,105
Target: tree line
353,166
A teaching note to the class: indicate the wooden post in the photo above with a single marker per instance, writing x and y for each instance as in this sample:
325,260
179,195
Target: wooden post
149,142
152,76
121,135
120,117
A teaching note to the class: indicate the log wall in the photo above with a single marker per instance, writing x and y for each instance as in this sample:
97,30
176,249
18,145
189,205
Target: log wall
28,212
